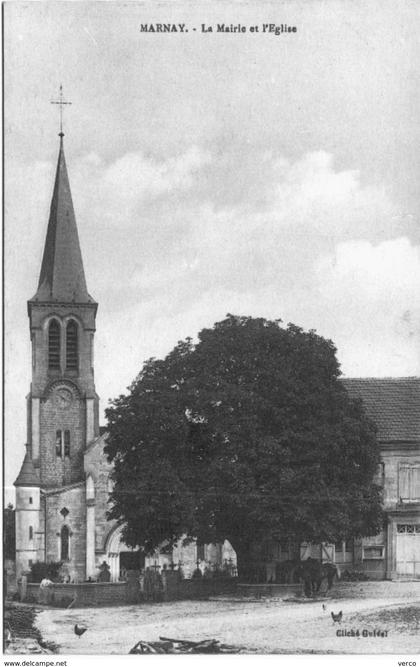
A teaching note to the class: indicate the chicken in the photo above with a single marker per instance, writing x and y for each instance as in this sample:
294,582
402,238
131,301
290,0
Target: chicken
324,607
79,630
337,617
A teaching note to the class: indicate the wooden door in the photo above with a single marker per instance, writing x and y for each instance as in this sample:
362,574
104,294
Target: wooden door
408,550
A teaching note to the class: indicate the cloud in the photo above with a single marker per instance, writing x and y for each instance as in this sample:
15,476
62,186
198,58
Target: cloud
389,270
363,296
170,246
308,207
176,254
314,195
370,294
119,190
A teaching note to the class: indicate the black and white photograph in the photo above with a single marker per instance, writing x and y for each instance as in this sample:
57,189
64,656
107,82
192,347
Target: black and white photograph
211,330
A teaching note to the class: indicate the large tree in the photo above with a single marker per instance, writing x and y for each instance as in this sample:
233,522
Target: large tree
246,435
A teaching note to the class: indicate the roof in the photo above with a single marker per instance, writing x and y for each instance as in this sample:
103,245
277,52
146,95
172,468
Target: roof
100,439
28,476
61,489
392,403
62,276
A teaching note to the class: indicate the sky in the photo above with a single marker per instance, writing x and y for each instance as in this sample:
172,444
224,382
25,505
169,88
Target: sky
212,173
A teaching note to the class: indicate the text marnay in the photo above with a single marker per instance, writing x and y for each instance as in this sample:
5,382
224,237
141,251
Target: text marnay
163,27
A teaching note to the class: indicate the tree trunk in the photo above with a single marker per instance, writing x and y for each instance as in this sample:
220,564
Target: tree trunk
251,569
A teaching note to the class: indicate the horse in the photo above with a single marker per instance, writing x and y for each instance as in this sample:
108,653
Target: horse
312,572
286,572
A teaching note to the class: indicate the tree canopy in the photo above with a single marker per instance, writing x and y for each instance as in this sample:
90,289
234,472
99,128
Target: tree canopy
246,435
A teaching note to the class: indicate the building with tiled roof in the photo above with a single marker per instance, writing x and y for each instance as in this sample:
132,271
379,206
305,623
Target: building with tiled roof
394,405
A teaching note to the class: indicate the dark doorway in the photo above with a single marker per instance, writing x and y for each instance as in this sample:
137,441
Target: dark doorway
131,560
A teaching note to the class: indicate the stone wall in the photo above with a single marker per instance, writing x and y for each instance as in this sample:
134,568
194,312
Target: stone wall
40,317
59,470
97,466
85,595
72,500
195,589
127,592
28,528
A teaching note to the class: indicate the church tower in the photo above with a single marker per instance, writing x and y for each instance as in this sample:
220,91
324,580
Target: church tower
62,405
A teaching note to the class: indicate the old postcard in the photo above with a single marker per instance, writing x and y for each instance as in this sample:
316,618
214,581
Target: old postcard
212,328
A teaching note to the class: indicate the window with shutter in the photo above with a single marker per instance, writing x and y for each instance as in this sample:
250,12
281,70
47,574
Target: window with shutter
415,483
404,483
409,482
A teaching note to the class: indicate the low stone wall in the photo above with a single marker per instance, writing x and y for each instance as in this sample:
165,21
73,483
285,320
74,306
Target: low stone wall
193,589
126,592
85,594
270,590
167,586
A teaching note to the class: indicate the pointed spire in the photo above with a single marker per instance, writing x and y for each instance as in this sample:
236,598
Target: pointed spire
62,275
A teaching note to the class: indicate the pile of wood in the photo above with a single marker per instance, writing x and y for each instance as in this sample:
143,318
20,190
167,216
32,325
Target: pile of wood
20,634
167,645
19,619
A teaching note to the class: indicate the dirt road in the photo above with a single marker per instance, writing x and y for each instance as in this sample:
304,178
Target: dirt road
268,626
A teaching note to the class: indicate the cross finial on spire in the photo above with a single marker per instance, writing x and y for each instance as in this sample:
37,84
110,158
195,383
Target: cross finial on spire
61,102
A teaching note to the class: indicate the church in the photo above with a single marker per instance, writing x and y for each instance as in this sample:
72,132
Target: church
63,485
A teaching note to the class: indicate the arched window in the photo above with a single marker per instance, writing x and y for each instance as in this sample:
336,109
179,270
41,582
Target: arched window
31,533
54,345
72,356
65,535
66,443
58,443
62,443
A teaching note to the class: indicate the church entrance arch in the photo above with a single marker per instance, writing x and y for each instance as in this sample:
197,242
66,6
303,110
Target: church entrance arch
119,556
